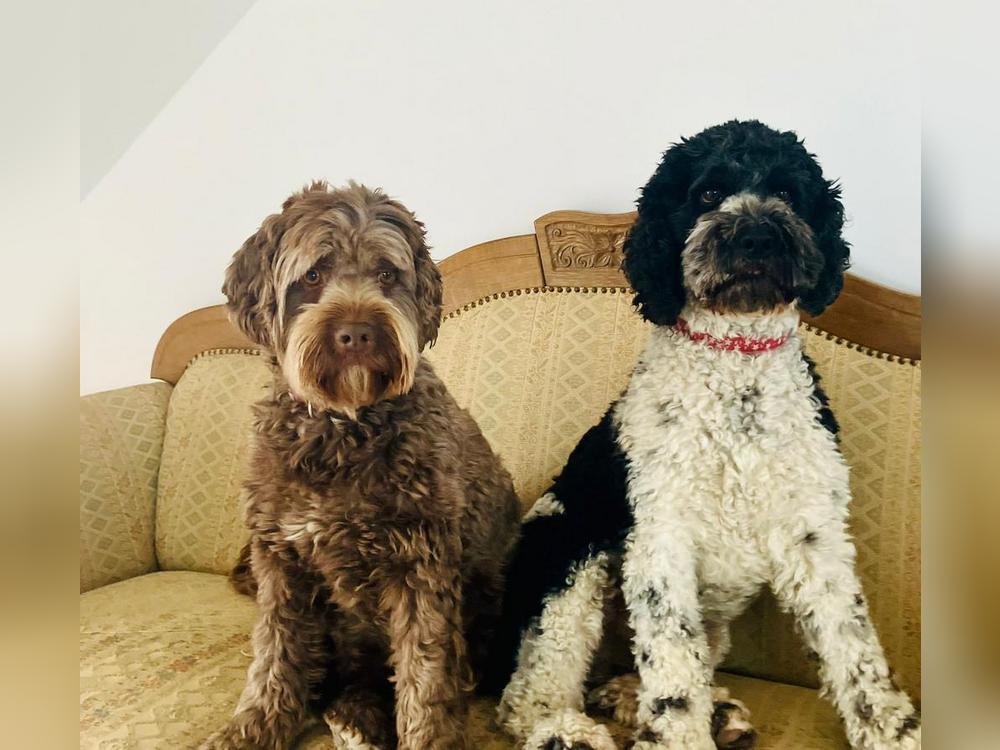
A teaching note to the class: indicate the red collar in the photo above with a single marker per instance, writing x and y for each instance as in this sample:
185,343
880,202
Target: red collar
740,344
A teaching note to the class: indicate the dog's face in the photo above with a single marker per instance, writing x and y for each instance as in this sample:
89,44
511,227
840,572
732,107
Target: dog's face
738,219
341,287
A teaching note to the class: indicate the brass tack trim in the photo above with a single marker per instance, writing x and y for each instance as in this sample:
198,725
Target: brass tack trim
534,290
876,353
224,350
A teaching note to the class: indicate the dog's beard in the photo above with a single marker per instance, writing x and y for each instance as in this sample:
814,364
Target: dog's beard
327,380
718,277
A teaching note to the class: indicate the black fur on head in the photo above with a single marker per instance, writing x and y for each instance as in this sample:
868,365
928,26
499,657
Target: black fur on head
738,218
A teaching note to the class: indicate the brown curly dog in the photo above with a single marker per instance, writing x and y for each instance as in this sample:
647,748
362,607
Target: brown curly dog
380,520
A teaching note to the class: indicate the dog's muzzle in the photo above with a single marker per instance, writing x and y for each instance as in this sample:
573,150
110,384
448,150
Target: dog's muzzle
750,255
350,350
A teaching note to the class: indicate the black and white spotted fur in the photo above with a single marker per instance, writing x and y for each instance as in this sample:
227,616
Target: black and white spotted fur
715,474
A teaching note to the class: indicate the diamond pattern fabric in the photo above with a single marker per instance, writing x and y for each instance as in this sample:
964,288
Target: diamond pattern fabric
537,369
199,514
121,439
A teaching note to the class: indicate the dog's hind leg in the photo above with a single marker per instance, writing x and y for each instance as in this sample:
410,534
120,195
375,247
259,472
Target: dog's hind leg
542,705
816,580
241,576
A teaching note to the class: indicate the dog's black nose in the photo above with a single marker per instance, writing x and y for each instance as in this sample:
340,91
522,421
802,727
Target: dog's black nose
353,337
757,241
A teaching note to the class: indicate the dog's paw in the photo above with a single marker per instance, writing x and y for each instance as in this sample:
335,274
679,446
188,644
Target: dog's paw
569,730
910,742
617,698
731,728
676,744
905,736
895,729
346,737
558,743
358,720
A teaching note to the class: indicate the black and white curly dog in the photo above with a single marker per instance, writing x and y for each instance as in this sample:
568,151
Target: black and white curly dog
715,474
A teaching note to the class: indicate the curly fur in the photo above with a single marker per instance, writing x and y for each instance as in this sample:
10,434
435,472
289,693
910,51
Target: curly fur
732,157
379,517
715,474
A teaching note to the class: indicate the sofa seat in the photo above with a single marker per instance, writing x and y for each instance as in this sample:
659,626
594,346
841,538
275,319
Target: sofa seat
163,658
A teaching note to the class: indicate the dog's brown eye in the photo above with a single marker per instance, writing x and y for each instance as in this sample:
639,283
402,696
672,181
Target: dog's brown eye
784,195
386,277
312,277
710,197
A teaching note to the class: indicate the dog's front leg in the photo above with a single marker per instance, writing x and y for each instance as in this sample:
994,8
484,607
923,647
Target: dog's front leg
428,651
816,580
671,649
290,654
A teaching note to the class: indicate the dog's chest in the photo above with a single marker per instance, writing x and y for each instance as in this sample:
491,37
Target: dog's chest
726,444
349,540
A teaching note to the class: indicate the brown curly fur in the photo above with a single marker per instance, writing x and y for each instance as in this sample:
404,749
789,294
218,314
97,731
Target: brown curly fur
380,519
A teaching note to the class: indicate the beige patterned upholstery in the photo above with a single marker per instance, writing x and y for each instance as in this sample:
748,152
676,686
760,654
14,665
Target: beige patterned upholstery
121,439
537,369
199,517
161,661
164,658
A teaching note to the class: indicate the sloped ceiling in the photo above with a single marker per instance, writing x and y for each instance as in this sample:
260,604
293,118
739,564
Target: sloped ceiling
134,55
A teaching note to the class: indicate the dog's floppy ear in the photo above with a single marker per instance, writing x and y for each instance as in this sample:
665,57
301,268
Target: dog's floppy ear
429,295
428,292
249,285
828,228
652,249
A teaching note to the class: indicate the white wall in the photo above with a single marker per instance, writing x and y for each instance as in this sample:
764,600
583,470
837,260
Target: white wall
481,117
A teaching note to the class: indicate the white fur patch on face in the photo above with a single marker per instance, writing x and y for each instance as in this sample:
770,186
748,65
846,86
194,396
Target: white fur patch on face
546,505
290,266
740,203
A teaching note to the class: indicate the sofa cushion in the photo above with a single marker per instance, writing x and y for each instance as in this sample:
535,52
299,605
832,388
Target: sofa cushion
163,659
121,441
199,516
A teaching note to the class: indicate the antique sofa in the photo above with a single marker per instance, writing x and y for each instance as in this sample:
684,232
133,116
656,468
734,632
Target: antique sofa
539,337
